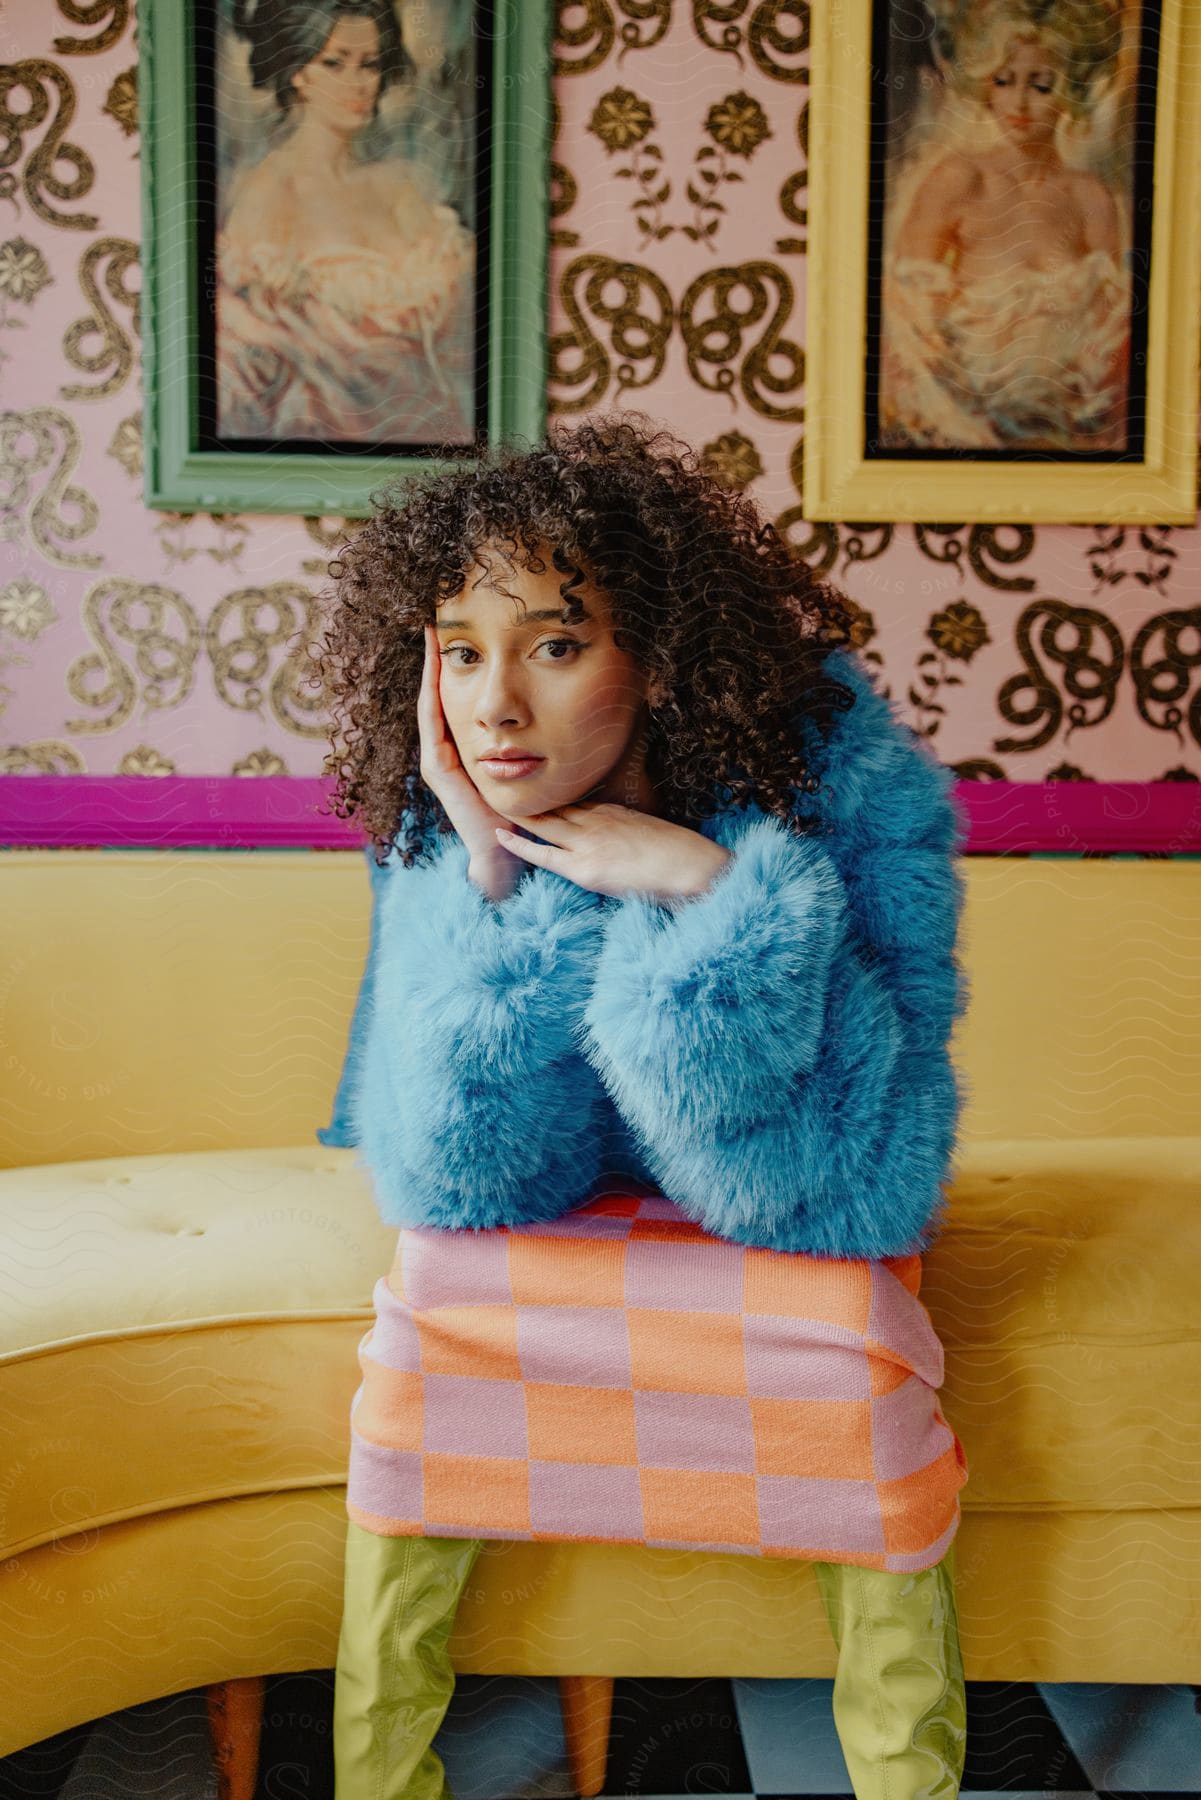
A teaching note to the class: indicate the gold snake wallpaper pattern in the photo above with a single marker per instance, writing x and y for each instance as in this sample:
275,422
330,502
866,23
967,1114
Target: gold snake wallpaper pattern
140,642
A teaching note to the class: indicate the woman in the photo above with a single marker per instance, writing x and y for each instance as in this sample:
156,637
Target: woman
1006,315
698,937
345,287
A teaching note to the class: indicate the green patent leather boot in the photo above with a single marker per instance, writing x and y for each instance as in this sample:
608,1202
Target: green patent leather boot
900,1705
393,1679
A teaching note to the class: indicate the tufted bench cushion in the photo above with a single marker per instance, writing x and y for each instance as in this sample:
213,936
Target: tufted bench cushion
1066,1299
183,1328
179,1329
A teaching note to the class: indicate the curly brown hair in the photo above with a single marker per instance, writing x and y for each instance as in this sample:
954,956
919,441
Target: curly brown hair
731,626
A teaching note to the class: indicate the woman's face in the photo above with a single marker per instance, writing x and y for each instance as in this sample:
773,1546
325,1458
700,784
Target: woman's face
1023,95
341,84
566,693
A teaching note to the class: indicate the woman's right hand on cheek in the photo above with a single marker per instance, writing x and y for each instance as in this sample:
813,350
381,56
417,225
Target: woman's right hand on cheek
492,867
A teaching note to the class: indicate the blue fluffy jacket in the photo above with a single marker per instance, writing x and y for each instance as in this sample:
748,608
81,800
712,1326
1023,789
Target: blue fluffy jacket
772,1056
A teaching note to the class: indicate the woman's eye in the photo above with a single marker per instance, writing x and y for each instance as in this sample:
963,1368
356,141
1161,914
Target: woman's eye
547,644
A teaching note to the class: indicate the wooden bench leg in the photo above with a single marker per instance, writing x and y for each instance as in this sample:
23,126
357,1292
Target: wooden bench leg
235,1711
587,1705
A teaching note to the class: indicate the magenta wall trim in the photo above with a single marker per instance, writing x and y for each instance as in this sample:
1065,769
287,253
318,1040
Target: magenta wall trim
280,812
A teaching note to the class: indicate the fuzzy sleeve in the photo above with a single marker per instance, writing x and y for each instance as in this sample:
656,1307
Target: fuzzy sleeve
474,1108
779,1044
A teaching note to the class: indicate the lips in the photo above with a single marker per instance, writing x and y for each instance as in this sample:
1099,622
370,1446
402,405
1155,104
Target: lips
510,768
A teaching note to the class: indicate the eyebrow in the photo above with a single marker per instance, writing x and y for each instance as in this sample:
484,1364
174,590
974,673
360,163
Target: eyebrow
549,612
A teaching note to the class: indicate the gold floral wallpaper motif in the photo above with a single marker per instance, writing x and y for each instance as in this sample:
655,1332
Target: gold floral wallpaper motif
148,642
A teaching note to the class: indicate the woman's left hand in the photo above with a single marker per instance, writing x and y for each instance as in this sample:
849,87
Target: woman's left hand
617,850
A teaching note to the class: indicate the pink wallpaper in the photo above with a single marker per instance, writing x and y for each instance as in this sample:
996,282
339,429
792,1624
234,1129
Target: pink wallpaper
141,643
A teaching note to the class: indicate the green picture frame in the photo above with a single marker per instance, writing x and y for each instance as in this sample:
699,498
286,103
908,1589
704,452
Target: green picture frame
179,475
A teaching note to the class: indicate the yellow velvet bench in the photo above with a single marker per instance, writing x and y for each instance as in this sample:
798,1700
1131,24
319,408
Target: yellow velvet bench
188,1273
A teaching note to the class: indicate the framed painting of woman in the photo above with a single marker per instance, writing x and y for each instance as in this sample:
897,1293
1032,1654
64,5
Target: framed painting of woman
1006,202
345,219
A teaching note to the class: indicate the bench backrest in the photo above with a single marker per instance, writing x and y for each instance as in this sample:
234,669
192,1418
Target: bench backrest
155,1001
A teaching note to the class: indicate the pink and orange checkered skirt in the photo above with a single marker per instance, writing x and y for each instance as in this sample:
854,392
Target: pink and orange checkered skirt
620,1375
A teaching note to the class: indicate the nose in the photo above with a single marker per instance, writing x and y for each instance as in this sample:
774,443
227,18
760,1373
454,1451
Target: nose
501,702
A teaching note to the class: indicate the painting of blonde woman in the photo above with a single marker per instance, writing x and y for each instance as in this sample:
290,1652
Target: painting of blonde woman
345,253
1007,312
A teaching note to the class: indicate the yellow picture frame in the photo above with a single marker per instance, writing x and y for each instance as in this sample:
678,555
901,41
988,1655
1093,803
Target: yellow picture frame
840,482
